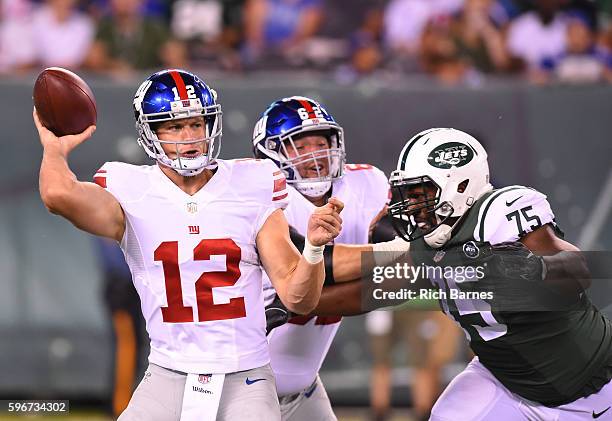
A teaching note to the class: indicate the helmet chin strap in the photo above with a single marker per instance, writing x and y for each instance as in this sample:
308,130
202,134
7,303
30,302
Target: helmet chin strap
189,173
314,189
438,237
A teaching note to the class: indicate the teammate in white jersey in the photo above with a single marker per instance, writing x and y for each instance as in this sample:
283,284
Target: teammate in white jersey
303,139
195,231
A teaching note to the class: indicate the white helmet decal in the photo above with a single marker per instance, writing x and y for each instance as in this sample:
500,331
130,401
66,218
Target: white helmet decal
451,154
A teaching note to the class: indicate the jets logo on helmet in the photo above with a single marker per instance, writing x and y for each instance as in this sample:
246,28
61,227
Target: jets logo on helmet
284,122
440,174
450,154
173,95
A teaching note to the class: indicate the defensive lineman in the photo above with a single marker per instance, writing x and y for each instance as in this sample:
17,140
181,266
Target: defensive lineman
530,364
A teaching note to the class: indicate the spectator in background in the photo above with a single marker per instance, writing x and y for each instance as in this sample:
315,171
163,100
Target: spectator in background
17,48
154,8
478,39
128,41
604,37
405,22
129,336
211,29
62,34
582,61
366,54
279,27
365,49
538,34
439,55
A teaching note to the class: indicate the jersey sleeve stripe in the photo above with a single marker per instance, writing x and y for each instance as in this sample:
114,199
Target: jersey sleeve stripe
274,199
100,181
487,205
280,184
276,173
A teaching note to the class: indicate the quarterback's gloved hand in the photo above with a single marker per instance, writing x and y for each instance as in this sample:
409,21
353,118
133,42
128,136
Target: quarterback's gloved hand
276,314
512,260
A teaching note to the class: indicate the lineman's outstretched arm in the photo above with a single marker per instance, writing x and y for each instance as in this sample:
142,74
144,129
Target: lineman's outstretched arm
343,262
566,268
343,299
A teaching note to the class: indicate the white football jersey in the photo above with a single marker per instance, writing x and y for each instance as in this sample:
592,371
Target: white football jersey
298,348
194,262
511,212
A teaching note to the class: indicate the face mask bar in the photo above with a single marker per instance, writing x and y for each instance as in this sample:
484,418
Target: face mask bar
185,163
335,154
334,157
276,148
403,210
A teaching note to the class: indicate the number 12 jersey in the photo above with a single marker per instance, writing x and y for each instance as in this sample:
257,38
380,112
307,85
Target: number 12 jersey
194,261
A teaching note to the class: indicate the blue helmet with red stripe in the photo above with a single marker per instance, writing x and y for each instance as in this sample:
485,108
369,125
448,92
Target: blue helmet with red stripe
173,95
284,122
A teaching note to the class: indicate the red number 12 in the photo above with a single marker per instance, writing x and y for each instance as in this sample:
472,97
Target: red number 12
176,311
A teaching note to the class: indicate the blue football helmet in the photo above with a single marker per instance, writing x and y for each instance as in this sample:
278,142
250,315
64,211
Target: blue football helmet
286,120
172,95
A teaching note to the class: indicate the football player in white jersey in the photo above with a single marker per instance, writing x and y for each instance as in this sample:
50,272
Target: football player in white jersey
195,231
543,351
303,139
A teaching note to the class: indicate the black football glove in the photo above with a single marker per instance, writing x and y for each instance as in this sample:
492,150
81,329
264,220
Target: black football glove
511,260
276,314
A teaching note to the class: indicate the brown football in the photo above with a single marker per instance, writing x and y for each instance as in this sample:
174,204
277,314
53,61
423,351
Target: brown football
64,102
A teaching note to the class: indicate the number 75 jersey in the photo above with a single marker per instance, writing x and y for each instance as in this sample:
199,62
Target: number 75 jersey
194,262
548,355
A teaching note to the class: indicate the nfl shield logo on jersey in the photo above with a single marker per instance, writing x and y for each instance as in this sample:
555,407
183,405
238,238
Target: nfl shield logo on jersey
192,207
471,250
204,378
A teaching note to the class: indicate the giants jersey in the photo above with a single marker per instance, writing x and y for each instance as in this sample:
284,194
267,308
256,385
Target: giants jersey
194,262
547,356
297,349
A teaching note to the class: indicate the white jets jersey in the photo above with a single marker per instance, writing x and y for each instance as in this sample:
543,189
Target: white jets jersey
194,262
297,349
509,213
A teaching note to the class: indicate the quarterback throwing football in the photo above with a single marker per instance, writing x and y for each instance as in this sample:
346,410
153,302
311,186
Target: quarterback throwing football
195,231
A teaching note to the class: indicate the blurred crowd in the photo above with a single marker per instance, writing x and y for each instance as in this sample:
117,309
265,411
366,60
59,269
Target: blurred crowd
453,41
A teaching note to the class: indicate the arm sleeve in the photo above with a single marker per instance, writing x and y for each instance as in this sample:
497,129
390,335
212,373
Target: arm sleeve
275,192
